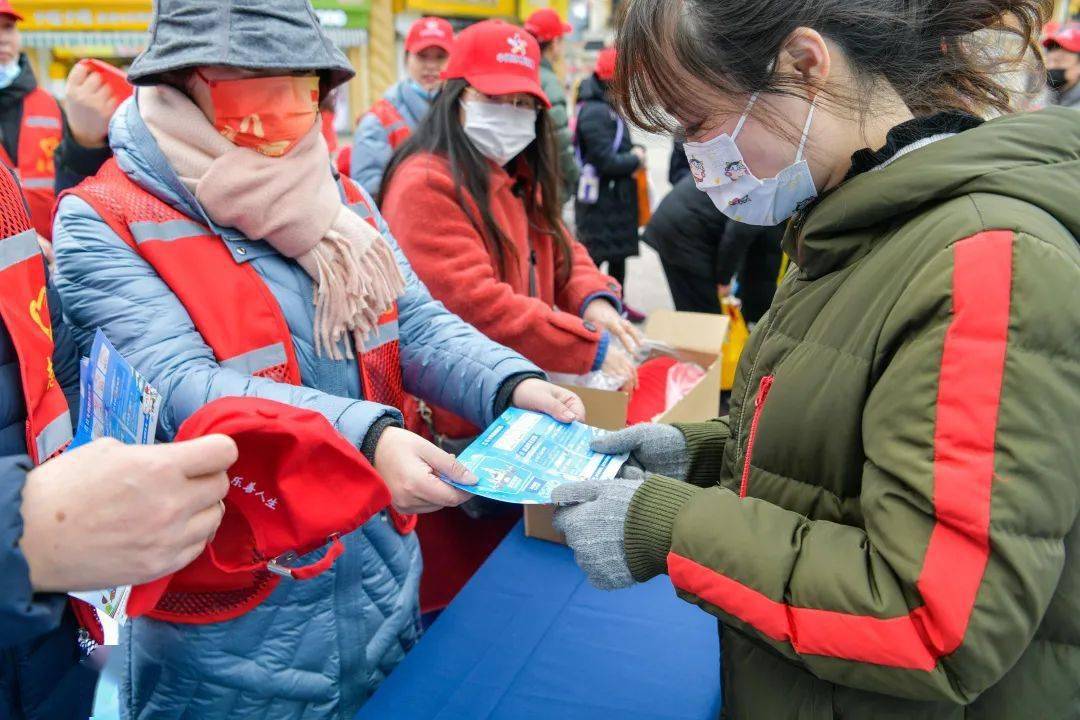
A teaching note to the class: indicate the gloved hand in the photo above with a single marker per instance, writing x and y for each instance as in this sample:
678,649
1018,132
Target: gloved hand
591,515
658,449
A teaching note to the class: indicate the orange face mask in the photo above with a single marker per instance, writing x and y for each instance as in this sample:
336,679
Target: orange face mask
266,114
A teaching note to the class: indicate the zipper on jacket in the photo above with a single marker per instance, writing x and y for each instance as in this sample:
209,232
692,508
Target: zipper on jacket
759,405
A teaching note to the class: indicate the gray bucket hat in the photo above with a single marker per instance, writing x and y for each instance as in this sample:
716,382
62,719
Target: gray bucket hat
249,34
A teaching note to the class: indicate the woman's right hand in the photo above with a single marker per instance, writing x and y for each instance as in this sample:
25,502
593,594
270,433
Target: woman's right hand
617,363
412,469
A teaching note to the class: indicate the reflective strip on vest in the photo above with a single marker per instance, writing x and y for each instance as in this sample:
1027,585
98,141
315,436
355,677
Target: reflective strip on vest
18,248
42,121
35,183
257,360
166,231
383,334
361,209
53,437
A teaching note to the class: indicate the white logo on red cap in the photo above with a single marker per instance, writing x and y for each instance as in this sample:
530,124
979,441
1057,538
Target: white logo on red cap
517,45
432,29
519,52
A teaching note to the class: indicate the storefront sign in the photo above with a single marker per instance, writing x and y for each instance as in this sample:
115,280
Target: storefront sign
128,15
464,8
44,15
528,7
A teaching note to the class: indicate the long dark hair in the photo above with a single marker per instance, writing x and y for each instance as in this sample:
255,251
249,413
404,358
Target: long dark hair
675,54
441,133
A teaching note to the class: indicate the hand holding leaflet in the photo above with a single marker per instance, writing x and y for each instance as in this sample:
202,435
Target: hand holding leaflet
117,402
524,455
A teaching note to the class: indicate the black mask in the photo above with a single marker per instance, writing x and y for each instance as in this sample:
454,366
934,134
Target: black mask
1056,79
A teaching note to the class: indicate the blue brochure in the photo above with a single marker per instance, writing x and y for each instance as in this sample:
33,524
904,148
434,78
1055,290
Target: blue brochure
116,401
524,455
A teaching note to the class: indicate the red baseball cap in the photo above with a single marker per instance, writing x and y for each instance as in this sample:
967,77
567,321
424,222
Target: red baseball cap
1067,37
497,58
298,485
546,25
7,10
605,64
429,32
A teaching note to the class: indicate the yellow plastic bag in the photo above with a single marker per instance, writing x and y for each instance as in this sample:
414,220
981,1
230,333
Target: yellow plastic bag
737,335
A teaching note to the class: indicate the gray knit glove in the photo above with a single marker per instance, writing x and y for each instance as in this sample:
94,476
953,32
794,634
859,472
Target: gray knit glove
658,449
591,515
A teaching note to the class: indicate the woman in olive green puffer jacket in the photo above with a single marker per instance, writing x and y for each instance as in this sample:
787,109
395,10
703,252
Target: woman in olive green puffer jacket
886,524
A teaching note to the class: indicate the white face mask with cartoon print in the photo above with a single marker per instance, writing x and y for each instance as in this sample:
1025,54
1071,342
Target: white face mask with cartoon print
720,172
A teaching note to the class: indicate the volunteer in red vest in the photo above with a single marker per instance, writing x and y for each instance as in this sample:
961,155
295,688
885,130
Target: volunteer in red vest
30,123
88,519
473,199
223,258
386,125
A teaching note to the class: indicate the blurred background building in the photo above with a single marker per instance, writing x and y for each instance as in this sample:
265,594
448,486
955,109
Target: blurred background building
57,33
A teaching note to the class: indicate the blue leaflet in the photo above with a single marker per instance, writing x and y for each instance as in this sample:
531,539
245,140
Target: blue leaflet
524,455
116,401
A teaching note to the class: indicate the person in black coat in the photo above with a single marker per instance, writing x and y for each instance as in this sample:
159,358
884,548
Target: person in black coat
753,254
678,166
702,251
608,227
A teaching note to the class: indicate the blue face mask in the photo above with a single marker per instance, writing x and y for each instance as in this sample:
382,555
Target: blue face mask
419,90
9,72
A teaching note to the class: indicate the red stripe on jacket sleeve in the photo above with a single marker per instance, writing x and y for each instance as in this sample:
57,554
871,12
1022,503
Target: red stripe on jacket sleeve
969,394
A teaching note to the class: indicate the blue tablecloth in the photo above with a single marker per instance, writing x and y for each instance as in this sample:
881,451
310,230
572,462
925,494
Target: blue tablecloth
529,639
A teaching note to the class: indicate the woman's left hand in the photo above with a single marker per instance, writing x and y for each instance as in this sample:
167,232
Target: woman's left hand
542,396
604,316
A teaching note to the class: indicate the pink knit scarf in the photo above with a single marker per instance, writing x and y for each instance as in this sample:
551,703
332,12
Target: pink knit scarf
291,202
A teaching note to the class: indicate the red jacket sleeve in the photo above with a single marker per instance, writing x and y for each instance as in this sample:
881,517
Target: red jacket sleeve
449,255
585,282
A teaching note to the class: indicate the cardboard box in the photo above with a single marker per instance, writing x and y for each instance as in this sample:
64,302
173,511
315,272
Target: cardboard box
698,337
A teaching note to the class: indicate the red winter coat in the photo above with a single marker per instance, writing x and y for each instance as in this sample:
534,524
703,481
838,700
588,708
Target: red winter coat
449,255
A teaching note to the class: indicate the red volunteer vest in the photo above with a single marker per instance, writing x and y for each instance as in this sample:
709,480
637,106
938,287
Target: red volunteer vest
232,307
397,132
39,136
24,311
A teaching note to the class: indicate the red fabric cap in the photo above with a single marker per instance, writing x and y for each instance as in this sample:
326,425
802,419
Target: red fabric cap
1067,37
429,32
113,77
497,58
546,25
605,64
296,486
6,9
